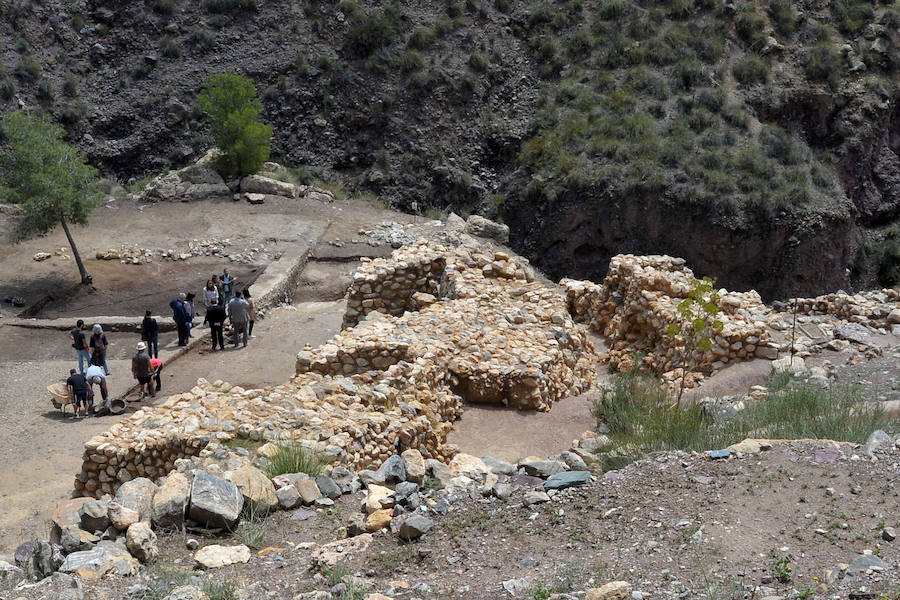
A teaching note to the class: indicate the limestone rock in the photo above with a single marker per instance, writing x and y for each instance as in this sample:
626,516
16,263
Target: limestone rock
308,490
485,228
257,184
498,466
542,468
288,497
215,556
41,256
10,576
214,501
121,517
256,488
415,526
415,465
793,365
379,519
535,497
375,494
94,516
170,501
141,542
68,512
439,472
105,557
191,184
469,466
137,495
187,592
614,590
330,554
73,539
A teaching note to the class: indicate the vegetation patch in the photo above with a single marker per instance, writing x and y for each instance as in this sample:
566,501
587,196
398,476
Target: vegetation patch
294,457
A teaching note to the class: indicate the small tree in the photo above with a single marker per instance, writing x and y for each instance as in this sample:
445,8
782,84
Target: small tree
696,324
231,105
47,177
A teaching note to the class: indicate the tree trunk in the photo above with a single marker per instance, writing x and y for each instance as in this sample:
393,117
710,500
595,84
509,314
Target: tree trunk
85,276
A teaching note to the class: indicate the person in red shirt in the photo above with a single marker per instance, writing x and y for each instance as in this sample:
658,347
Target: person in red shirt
156,368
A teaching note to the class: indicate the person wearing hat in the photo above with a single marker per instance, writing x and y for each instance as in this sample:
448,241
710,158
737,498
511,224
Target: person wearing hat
95,375
142,371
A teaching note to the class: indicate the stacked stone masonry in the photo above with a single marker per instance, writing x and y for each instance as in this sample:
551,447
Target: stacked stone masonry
638,301
389,383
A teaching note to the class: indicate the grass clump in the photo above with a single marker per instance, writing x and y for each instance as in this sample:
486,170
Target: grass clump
411,60
28,69
824,63
221,589
294,457
853,15
374,31
642,418
752,69
751,27
479,62
784,16
421,38
225,6
610,10
170,47
163,7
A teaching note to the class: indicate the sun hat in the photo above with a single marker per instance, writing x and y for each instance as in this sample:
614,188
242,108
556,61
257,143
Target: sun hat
141,346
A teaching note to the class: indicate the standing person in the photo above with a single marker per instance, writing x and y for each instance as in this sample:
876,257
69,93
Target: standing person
217,283
189,309
210,298
251,310
227,284
216,316
179,314
237,313
141,370
150,333
78,390
77,337
99,344
95,375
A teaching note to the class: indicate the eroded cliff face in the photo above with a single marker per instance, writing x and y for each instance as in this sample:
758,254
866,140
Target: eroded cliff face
780,258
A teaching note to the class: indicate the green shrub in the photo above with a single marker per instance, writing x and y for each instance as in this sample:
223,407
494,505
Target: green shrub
421,38
7,89
752,69
28,69
202,39
411,60
373,32
21,45
479,62
224,6
781,145
611,10
680,9
170,47
688,73
163,7
233,109
853,15
294,457
221,589
751,27
45,92
824,63
784,16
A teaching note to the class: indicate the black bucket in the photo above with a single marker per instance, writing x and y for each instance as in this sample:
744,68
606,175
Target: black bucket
117,406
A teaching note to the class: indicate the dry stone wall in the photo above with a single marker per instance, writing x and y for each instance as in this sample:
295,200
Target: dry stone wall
638,301
386,385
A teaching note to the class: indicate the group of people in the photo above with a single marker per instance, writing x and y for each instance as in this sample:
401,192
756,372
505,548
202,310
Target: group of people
93,366
222,302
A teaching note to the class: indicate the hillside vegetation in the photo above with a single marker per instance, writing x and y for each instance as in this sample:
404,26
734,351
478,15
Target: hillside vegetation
759,140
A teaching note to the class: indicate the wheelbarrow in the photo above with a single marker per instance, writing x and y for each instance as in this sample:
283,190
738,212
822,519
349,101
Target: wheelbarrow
59,396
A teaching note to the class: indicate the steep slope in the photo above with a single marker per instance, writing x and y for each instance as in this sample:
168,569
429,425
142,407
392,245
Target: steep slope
759,140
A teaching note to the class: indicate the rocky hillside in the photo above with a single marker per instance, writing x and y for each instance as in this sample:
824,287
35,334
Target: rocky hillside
768,131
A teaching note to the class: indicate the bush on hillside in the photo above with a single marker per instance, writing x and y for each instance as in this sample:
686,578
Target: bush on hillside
823,62
751,69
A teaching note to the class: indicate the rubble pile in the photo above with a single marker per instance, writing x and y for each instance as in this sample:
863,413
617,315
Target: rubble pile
638,301
856,308
137,255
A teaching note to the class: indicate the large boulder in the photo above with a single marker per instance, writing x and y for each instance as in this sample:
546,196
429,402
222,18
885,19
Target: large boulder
68,512
39,559
415,526
105,557
94,516
485,228
191,184
170,501
256,488
214,501
415,465
257,184
466,465
141,542
122,517
137,495
308,490
10,576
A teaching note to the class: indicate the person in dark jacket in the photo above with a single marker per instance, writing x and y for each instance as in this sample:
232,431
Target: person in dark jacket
150,334
180,315
216,316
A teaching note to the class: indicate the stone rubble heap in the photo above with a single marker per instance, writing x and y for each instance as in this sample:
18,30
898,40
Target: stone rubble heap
137,255
388,384
638,301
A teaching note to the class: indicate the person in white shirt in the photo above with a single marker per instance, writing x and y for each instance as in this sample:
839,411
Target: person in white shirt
96,375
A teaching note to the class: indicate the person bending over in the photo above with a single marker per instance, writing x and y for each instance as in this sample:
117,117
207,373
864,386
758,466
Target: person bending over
96,376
